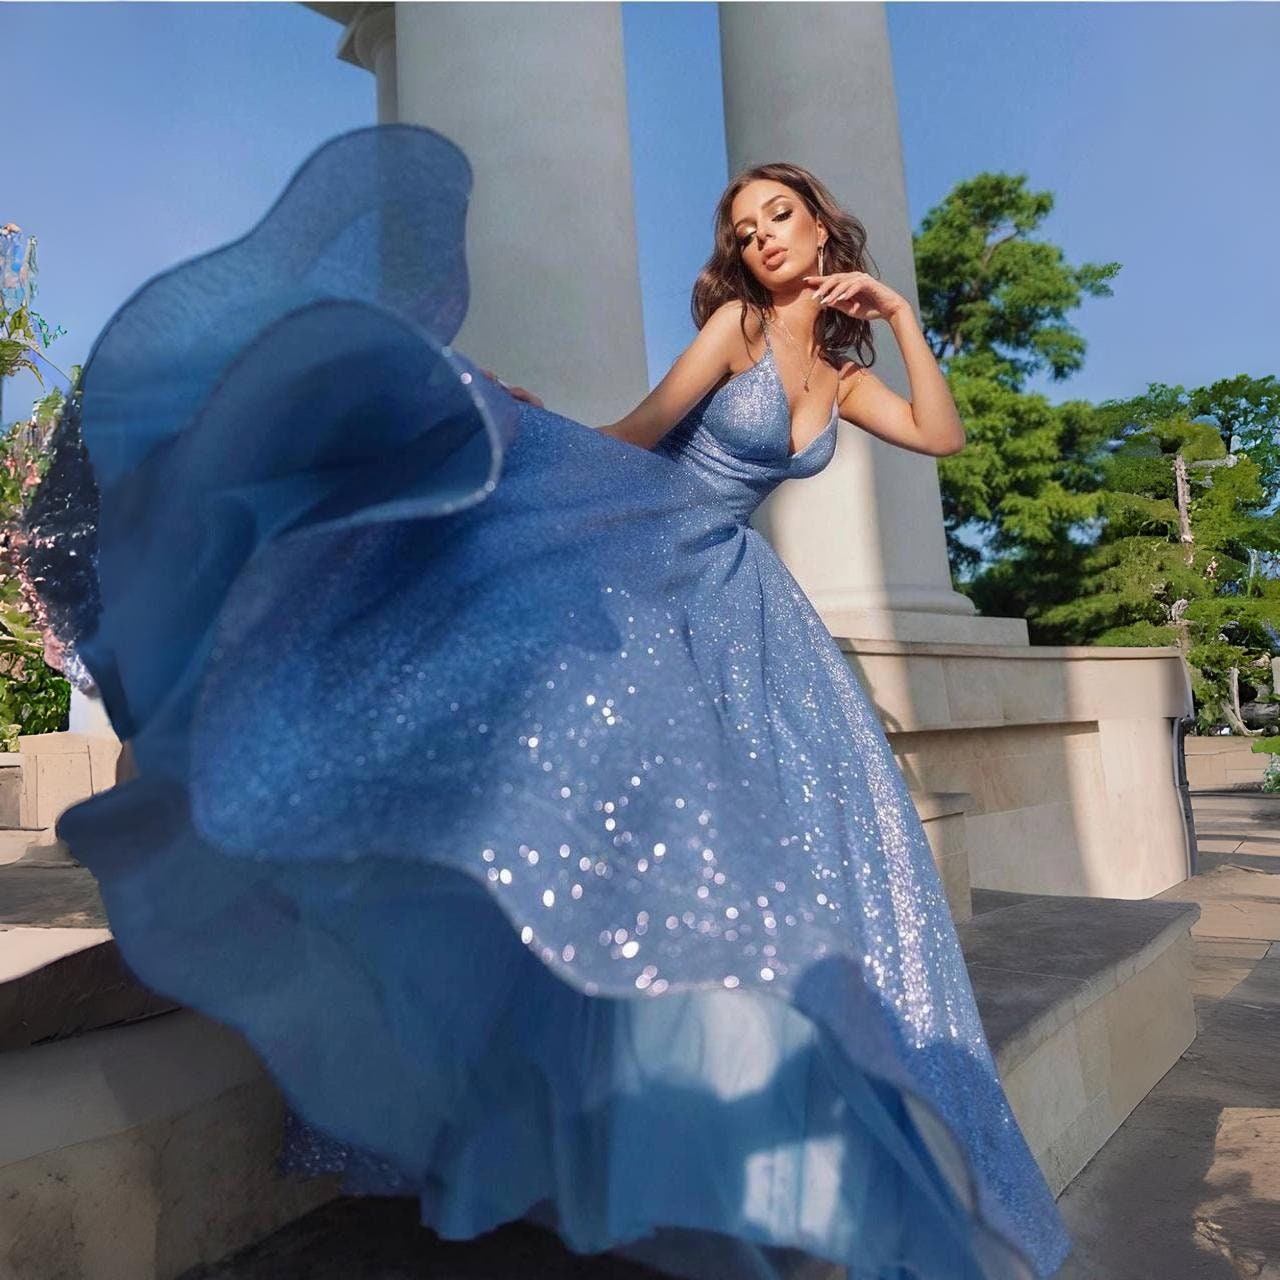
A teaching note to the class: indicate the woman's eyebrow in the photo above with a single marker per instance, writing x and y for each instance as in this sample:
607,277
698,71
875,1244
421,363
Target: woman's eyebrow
767,203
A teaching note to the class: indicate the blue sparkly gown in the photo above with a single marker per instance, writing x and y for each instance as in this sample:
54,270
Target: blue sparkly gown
501,786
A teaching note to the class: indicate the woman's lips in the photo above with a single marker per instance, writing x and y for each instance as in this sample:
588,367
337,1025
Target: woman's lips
773,257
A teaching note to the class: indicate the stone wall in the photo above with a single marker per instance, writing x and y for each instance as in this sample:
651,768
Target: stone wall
1221,763
1066,751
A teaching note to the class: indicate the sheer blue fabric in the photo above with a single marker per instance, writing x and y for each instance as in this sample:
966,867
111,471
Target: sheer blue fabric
501,785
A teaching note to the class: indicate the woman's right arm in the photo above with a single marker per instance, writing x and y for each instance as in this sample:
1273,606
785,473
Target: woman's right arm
696,370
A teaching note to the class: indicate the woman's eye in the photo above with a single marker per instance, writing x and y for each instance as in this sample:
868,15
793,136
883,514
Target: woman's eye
781,217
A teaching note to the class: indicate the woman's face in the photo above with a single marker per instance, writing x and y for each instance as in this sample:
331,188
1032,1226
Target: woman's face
777,236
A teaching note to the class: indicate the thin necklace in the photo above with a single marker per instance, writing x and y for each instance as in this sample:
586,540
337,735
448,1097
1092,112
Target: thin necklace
795,344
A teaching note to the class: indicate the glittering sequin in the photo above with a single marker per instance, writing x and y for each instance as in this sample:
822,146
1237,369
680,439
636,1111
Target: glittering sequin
501,784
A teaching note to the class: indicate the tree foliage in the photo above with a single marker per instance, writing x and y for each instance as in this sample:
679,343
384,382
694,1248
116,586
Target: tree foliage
987,287
1070,515
995,303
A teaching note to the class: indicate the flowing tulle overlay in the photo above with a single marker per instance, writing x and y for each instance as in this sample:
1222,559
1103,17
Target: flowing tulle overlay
500,784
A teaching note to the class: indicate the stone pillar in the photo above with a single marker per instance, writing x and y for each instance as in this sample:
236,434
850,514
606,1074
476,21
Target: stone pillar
813,84
536,96
369,41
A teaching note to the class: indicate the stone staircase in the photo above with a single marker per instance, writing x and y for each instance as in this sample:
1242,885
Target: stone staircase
1087,1004
137,1139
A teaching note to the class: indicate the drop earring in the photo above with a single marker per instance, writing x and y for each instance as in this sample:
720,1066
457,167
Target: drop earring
819,259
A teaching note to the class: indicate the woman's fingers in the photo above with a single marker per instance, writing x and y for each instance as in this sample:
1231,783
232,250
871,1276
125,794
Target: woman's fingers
519,392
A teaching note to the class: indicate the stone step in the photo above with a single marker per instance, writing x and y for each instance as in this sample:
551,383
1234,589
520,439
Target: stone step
136,1152
25,843
1236,810
141,1151
1086,1003
61,982
943,817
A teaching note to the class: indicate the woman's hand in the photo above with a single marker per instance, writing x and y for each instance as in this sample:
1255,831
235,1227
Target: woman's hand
519,392
857,294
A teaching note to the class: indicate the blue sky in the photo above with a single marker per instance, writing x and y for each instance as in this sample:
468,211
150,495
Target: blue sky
151,132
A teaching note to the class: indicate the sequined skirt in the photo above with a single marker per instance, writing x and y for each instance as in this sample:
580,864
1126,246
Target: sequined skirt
504,789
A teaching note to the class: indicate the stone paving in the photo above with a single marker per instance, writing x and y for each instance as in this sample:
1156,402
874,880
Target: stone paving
1189,1187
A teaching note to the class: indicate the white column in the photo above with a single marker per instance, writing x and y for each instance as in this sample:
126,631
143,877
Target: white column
369,41
813,84
536,95
375,48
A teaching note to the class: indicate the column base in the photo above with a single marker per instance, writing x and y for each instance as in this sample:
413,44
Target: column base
918,625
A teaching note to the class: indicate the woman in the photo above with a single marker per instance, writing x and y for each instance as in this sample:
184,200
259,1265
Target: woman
496,779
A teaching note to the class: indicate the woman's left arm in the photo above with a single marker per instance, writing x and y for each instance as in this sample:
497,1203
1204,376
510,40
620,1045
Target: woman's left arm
926,423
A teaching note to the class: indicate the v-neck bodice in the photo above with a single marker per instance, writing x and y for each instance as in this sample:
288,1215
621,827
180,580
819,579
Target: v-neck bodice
738,437
770,358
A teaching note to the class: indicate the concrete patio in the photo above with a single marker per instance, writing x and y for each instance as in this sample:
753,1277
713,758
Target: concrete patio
1189,1187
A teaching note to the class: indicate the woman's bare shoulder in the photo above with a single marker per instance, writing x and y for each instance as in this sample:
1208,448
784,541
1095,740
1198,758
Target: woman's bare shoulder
852,380
852,374
737,320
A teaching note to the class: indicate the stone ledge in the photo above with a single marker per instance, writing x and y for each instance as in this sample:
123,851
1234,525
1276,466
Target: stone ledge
138,1152
859,626
50,895
22,844
56,983
52,771
941,804
1223,762
1051,653
1038,961
109,1081
1087,1004
61,972
942,814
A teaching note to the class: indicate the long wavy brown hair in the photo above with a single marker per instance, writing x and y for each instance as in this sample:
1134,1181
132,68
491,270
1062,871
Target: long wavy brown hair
725,275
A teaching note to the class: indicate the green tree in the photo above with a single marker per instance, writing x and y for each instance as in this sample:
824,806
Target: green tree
1173,557
1246,413
1074,515
994,302
986,286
